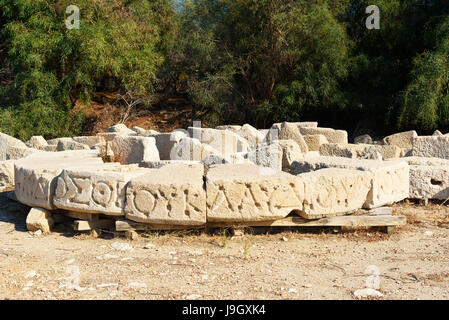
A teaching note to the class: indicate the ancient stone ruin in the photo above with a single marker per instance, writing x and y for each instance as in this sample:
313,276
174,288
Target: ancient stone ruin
291,174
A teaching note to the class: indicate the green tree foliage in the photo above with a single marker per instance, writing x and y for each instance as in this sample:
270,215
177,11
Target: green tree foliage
256,61
119,44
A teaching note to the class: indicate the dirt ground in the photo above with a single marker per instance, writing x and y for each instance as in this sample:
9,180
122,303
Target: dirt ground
413,263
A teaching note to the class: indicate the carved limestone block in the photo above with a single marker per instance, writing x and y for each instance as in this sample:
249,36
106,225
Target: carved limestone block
94,190
173,194
247,192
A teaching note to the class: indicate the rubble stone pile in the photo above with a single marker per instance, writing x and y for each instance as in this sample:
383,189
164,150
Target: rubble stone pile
228,174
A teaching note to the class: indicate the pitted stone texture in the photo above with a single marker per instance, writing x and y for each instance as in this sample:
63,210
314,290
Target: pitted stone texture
361,151
6,174
314,141
189,149
390,180
166,141
65,145
332,192
133,149
14,153
95,190
267,155
332,135
39,219
287,131
224,141
35,175
37,142
8,141
171,195
246,192
121,129
431,146
90,141
429,182
437,133
424,161
402,139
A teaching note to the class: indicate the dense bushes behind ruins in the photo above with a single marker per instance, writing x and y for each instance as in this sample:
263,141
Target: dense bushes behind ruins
238,61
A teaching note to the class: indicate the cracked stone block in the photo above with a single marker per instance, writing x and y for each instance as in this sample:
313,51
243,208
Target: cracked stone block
429,182
431,146
332,135
173,194
361,151
247,192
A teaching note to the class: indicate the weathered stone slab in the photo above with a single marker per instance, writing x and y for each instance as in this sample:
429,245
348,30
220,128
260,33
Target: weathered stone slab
35,175
14,153
90,141
429,182
134,149
166,141
65,145
403,140
246,192
6,174
37,142
287,131
390,180
361,151
164,197
332,192
95,190
224,141
314,141
332,135
431,146
425,161
6,142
